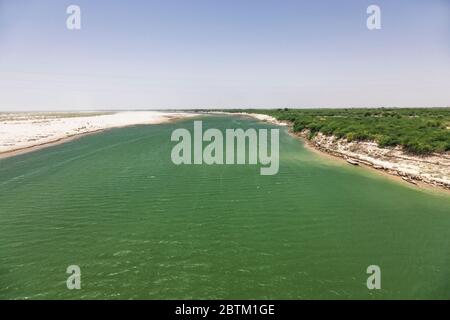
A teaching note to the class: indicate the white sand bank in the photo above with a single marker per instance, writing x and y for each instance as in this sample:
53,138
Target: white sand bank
261,117
20,131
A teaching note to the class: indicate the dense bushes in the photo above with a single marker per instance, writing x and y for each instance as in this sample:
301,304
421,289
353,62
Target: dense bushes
419,131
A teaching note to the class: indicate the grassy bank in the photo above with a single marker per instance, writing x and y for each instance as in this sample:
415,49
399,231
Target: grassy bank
418,131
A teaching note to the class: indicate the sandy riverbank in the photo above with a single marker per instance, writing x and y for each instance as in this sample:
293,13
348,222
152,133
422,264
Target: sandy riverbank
433,170
261,117
26,132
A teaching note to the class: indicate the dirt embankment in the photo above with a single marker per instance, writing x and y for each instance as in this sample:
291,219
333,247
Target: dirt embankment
433,169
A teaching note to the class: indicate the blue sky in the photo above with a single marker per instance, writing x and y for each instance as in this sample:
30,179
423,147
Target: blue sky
223,53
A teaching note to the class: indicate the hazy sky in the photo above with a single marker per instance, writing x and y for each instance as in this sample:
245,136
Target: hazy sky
223,53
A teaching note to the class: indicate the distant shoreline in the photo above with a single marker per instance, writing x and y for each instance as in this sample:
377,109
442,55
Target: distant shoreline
62,137
323,149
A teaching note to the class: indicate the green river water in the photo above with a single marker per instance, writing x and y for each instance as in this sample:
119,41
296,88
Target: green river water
141,227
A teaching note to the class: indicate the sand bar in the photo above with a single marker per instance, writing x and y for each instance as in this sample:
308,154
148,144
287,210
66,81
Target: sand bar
25,132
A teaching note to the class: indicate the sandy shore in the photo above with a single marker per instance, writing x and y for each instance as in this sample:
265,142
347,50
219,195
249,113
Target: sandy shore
26,132
425,172
261,117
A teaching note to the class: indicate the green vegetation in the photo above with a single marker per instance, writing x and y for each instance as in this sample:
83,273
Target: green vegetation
418,131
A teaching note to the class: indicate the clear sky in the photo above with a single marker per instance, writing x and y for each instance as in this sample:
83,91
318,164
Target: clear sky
223,53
